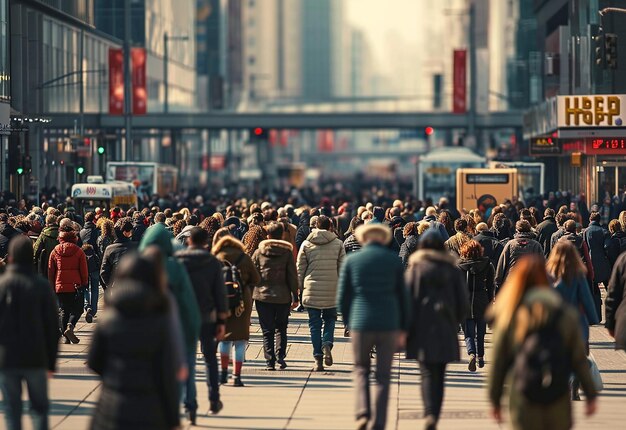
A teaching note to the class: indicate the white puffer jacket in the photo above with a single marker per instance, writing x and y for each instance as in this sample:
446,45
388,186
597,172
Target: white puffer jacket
319,259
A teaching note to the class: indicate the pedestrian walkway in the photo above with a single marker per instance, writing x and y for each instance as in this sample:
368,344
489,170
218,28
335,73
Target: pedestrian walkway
297,398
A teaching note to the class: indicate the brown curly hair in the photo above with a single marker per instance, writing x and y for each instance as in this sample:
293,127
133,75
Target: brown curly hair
253,238
471,250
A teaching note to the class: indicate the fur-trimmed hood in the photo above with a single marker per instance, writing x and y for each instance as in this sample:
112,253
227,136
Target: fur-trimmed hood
227,242
273,247
432,255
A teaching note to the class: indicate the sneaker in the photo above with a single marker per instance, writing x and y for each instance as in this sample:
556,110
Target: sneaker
237,382
270,366
69,334
216,407
282,364
191,416
481,362
89,317
224,377
472,363
328,356
346,332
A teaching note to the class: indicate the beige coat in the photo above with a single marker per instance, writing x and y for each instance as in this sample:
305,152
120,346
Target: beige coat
318,265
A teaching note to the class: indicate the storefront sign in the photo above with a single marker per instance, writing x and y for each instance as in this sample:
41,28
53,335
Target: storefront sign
459,95
591,111
116,81
545,146
606,146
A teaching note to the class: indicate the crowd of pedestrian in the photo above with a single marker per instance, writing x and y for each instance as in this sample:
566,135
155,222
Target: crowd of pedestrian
403,275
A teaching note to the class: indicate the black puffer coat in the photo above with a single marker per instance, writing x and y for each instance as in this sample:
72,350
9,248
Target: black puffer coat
479,276
132,352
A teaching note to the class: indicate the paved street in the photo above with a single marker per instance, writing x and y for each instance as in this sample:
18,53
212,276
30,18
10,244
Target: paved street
299,399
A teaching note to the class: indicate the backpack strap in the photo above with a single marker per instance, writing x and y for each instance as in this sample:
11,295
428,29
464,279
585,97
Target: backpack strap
239,259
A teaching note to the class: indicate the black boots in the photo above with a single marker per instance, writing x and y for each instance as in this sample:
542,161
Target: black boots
69,334
319,365
328,356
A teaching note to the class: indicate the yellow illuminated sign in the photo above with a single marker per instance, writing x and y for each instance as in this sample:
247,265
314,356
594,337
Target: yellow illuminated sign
592,110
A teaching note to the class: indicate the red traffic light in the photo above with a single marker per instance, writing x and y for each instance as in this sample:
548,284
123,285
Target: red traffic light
258,131
429,131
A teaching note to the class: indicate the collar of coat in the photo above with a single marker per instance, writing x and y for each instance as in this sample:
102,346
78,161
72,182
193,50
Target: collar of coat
432,255
275,242
227,242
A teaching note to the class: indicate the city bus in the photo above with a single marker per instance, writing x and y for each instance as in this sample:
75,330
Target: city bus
485,188
530,177
437,170
88,196
149,178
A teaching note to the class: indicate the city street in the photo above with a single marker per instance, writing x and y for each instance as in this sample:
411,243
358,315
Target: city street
297,398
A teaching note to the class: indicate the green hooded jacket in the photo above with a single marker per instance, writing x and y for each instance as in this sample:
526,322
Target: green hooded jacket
178,282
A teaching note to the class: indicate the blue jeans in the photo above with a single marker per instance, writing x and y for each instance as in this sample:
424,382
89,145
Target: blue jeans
189,392
92,292
11,388
475,330
208,345
317,317
240,349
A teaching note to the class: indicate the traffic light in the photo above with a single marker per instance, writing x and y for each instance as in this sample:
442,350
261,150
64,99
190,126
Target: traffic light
428,131
598,49
80,170
610,50
259,133
100,149
19,171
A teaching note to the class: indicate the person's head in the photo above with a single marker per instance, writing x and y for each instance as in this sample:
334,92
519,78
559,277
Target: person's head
622,220
373,233
51,220
422,227
460,225
471,250
431,211
570,226
431,239
522,226
565,262
561,217
123,228
548,213
274,230
481,227
527,274
410,229
614,226
313,221
354,223
146,269
20,251
323,222
198,238
595,216
90,217
221,233
159,217
66,224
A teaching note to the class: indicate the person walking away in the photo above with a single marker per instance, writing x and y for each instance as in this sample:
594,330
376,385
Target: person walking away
180,286
545,229
29,336
205,273
276,293
92,290
7,232
351,244
431,218
479,276
521,245
615,304
69,275
374,303
113,254
566,269
492,247
439,304
107,236
45,243
583,251
133,351
319,260
615,244
537,339
595,237
410,242
455,242
230,251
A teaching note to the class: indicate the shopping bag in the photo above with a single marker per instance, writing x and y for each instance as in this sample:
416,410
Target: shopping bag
595,374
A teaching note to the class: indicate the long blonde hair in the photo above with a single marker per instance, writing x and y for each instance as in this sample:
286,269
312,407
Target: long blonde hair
527,274
565,262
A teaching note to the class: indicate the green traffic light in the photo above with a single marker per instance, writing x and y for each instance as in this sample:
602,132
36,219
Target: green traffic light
20,170
80,170
100,150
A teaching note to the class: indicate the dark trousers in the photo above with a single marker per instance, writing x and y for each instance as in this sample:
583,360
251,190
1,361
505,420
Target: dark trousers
273,317
597,297
208,346
92,292
71,307
475,330
362,344
433,375
11,388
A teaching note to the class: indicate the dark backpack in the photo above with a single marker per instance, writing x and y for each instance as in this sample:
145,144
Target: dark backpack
42,261
234,286
542,367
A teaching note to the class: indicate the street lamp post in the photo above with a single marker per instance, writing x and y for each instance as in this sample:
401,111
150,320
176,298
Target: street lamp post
166,40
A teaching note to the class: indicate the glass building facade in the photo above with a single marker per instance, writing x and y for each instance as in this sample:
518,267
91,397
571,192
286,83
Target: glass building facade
5,81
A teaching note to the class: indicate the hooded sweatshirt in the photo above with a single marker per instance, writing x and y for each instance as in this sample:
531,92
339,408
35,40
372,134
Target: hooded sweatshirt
178,282
67,267
319,260
479,276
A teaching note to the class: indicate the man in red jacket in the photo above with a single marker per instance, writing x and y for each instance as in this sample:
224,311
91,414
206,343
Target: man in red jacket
67,272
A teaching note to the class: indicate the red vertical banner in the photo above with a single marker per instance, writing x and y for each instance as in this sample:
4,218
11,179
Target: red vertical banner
140,94
459,94
116,81
325,141
273,137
